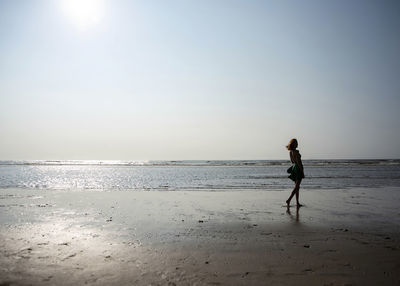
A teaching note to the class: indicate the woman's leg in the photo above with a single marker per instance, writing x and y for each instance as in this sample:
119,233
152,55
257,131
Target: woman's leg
297,188
294,192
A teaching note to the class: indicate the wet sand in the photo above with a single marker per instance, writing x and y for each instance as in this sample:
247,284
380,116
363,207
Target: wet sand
339,237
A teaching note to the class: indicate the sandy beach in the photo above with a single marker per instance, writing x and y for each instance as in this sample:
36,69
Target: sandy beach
339,237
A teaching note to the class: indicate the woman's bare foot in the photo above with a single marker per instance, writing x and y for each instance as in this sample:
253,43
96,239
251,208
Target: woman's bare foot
288,203
299,205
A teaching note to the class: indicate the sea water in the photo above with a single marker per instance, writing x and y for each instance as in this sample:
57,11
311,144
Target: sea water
196,175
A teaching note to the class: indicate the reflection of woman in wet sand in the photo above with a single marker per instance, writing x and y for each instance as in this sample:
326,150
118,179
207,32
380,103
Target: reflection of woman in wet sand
296,171
297,217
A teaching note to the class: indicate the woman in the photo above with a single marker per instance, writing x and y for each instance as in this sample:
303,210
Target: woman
296,170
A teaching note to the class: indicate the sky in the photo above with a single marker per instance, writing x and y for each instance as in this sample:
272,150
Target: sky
209,79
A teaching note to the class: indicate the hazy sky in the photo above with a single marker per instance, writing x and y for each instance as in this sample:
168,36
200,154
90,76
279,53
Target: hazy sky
205,79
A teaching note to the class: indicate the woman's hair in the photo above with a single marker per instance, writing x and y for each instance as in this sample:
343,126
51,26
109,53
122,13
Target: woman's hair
292,144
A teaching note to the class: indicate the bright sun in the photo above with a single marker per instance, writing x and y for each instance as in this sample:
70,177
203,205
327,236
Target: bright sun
84,14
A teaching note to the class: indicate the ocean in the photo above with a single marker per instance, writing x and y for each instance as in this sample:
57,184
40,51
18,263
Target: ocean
196,175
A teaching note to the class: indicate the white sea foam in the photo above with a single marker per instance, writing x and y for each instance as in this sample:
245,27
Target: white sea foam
341,162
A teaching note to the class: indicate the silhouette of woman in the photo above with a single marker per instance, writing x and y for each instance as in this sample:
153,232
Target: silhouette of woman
296,170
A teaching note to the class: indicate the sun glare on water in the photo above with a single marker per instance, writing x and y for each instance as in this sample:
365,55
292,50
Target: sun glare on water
84,14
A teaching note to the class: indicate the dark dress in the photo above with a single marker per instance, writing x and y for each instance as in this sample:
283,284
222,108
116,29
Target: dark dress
295,170
295,173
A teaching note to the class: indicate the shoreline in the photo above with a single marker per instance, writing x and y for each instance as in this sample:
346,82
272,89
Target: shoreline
195,237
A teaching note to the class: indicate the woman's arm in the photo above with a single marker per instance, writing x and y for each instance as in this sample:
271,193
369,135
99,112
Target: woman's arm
297,160
293,157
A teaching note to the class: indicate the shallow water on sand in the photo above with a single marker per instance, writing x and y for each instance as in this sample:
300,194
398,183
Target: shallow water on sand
339,237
